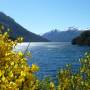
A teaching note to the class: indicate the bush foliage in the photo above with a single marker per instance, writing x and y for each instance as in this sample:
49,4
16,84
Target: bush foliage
16,74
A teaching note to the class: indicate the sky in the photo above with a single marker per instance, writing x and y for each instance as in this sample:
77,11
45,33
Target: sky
40,16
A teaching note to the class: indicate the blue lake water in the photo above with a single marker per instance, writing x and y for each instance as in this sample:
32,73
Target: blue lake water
52,56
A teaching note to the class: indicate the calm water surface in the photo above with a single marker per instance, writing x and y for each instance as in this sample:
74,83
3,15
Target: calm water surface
52,56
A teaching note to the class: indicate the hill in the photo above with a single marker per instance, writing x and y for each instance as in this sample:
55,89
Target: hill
62,36
17,30
82,39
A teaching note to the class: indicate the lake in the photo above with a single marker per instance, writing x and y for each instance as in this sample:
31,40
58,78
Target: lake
52,56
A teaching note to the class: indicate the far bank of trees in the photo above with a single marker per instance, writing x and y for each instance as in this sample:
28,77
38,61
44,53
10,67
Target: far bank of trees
83,39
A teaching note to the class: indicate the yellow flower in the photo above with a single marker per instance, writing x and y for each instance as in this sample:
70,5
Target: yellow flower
52,85
20,39
34,68
23,73
3,78
20,54
12,63
10,74
0,73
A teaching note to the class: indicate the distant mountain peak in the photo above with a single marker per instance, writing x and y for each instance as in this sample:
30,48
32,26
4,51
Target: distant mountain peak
55,30
62,36
72,29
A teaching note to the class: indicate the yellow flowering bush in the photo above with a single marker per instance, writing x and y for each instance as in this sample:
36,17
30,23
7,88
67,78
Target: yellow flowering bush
16,74
76,81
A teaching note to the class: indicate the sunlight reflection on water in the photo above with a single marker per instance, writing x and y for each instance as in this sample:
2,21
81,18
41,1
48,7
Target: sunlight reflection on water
51,56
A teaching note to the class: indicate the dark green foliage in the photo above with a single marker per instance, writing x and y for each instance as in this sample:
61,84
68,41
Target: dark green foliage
83,39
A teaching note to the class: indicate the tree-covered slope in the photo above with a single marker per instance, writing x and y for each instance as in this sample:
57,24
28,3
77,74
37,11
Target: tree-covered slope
83,39
17,30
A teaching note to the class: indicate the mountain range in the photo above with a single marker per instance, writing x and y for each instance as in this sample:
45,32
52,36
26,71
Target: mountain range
18,31
62,36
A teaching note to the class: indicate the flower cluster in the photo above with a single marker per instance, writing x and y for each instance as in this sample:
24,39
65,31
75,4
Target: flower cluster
15,73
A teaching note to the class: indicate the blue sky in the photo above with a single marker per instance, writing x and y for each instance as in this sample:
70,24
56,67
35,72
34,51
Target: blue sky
40,16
